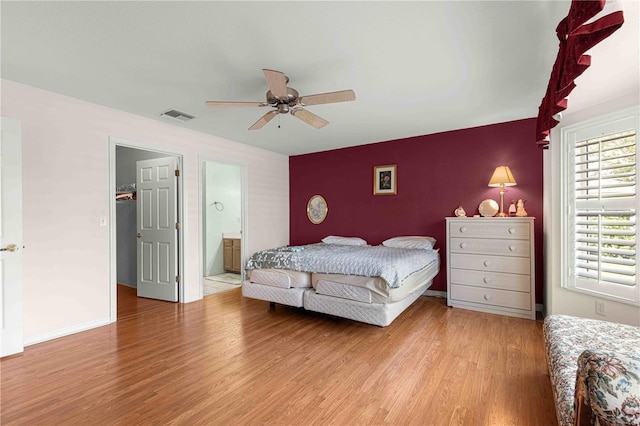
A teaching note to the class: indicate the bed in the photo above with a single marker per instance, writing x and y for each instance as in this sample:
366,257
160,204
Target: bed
345,277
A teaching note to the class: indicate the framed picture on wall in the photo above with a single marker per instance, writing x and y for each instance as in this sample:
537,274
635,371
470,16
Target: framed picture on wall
317,209
384,180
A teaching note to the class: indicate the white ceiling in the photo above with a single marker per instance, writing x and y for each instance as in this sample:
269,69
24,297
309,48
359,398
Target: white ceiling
416,67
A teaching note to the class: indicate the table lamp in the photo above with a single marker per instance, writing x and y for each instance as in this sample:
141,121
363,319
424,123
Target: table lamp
502,177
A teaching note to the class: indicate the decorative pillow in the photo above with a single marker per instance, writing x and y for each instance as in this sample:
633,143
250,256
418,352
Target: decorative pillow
345,241
410,242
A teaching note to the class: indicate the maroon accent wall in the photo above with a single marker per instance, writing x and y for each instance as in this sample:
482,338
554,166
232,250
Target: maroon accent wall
436,173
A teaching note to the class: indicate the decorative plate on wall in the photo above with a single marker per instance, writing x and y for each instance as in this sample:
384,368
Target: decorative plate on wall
317,209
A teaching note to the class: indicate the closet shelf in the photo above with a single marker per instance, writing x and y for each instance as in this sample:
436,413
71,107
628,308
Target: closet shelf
126,196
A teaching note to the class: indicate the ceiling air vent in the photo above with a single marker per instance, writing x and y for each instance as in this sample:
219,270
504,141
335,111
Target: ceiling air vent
177,115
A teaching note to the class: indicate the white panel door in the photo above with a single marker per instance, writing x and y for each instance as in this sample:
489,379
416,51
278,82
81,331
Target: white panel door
157,206
11,338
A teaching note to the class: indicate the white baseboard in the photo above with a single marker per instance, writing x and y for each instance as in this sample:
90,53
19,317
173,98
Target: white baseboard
61,332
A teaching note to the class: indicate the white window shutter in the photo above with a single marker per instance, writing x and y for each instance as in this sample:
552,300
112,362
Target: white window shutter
601,190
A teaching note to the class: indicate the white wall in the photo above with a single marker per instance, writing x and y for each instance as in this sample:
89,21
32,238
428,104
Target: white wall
559,300
66,279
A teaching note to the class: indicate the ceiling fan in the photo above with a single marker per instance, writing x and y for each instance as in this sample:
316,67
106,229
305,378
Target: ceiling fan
284,100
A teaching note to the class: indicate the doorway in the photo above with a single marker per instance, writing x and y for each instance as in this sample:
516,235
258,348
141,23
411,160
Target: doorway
124,240
11,321
222,226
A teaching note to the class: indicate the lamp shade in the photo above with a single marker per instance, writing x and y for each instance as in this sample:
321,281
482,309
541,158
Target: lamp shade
502,176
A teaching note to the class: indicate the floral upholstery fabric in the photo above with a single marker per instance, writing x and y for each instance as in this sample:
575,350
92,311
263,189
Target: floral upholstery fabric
609,383
566,337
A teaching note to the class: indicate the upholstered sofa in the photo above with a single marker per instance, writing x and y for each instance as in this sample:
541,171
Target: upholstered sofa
595,370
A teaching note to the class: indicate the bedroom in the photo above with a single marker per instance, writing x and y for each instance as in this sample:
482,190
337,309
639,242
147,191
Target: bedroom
66,262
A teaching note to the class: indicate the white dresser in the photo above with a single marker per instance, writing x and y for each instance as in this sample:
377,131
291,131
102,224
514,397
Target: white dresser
491,265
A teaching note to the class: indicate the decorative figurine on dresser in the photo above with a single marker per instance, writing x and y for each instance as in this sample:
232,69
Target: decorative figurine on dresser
491,265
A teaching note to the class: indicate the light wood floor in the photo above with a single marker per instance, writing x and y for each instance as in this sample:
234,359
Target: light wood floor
230,360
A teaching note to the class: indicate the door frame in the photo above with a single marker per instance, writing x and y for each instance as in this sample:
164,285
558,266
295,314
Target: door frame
244,223
11,303
114,142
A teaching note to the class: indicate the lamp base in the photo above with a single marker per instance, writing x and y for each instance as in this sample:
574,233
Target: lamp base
501,213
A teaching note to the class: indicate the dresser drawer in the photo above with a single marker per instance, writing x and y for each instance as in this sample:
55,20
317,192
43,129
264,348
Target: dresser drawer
484,296
498,229
513,265
515,282
489,246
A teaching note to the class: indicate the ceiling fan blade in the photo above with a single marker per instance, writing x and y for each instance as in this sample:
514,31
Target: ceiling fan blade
309,118
328,98
277,82
226,104
264,120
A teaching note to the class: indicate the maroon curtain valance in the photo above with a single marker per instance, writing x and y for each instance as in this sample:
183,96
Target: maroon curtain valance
576,37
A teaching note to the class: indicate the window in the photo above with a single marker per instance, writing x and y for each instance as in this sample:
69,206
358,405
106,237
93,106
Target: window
600,192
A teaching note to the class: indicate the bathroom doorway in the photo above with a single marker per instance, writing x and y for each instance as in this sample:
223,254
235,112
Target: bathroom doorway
222,218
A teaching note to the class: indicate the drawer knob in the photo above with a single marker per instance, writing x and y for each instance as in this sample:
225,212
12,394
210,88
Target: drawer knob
487,263
512,230
463,245
486,280
512,248
487,297
463,229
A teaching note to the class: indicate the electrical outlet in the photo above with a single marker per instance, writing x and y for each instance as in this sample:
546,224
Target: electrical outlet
601,308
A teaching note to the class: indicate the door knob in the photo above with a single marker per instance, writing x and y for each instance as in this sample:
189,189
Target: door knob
10,247
138,235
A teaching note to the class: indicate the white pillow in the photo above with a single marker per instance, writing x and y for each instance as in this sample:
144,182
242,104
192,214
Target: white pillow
345,241
410,242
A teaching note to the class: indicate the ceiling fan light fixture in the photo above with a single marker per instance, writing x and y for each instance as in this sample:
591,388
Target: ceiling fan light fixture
283,108
286,100
292,96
